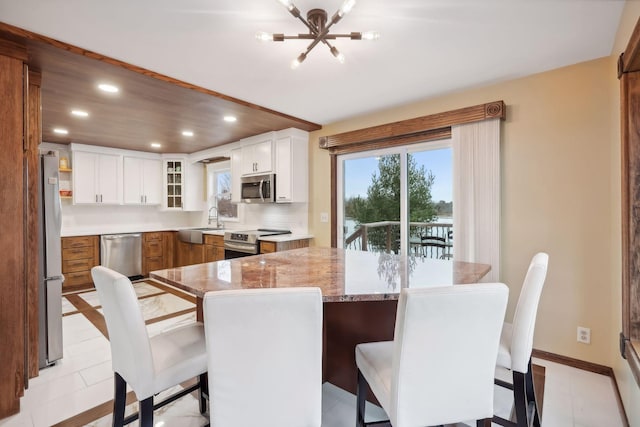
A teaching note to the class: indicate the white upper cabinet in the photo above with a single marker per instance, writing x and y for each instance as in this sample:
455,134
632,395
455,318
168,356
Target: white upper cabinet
97,178
236,168
291,168
194,196
142,181
257,158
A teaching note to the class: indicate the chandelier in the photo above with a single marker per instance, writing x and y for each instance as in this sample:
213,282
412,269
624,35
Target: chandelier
319,28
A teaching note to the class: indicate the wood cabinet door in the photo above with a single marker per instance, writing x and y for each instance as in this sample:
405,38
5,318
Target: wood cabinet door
213,253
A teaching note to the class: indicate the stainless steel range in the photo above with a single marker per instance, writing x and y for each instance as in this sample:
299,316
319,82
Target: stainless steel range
245,243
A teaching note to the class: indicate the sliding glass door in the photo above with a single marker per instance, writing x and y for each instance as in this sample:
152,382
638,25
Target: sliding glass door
397,200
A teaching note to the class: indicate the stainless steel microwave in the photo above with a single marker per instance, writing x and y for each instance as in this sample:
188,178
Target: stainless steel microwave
258,189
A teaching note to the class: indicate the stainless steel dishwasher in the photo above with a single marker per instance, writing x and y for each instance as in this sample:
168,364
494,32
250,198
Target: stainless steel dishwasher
122,253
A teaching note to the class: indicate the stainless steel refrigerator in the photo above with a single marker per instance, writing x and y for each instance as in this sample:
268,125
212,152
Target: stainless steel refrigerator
50,276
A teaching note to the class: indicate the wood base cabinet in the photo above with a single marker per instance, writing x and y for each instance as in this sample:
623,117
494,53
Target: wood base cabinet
269,247
157,251
79,255
213,248
188,253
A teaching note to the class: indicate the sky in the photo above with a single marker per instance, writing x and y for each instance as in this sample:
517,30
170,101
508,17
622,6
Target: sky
358,173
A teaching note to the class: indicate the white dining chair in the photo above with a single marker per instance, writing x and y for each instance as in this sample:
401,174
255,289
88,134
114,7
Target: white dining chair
516,345
439,368
264,348
147,365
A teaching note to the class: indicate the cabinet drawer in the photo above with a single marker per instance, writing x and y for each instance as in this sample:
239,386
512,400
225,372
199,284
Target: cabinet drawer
78,278
153,237
210,239
154,263
77,253
267,247
153,248
77,242
74,265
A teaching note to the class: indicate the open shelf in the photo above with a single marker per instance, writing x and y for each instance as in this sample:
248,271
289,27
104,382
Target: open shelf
64,170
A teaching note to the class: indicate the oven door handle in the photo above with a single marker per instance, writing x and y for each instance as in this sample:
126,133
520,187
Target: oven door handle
240,247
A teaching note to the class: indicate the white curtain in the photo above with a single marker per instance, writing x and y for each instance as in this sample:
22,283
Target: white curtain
476,194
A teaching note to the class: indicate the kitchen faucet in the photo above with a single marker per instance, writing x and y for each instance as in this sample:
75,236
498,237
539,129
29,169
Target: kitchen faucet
218,223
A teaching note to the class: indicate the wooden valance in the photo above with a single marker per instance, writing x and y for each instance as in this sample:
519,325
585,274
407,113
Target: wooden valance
425,128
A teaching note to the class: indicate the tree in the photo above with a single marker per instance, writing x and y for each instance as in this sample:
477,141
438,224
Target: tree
383,198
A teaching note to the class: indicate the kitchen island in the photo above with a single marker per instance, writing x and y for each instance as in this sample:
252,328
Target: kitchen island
359,290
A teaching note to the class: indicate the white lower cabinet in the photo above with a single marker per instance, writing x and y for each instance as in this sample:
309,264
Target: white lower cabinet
142,181
97,178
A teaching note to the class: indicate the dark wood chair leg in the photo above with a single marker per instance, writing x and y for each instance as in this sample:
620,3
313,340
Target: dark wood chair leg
146,412
520,398
203,393
361,398
531,396
484,423
119,399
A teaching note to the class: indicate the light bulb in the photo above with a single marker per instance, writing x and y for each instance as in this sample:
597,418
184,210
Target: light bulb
287,3
296,62
339,56
370,35
346,7
264,36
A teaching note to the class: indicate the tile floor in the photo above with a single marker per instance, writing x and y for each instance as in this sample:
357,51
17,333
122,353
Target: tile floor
83,379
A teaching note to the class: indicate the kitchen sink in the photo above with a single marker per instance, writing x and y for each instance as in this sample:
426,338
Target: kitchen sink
194,235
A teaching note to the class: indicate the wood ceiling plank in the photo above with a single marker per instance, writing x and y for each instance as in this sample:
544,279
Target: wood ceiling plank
150,107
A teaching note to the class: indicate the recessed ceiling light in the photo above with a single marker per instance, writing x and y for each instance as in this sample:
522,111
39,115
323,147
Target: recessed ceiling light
156,145
187,133
230,119
61,131
108,88
79,113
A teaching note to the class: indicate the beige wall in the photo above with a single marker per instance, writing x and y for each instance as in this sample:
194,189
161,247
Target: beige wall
558,149
629,390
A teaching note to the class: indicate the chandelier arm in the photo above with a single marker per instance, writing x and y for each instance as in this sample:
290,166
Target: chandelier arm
309,26
307,36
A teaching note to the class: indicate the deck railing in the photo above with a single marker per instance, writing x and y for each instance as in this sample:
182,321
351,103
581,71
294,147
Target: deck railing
419,234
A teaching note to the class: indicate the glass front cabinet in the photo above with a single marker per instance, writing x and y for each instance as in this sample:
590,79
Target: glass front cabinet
174,179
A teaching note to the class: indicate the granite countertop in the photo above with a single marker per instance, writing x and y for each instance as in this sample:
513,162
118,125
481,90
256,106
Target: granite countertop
342,275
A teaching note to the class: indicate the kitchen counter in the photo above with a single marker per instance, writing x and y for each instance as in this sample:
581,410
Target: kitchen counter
342,275
92,231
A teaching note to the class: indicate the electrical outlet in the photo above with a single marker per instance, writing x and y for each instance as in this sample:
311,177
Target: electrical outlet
584,335
324,217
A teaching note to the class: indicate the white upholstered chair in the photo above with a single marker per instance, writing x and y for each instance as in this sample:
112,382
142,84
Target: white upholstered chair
439,368
147,365
265,357
516,344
